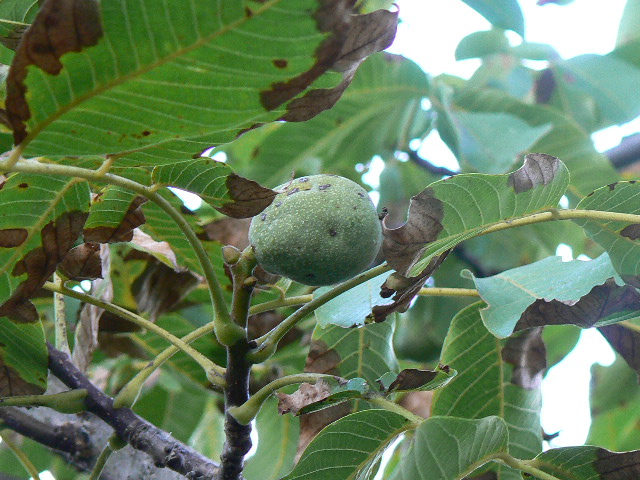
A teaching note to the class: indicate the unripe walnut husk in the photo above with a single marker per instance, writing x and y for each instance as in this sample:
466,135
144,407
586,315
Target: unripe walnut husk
321,230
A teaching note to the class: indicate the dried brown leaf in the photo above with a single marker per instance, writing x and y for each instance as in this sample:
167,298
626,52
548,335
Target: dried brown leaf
405,289
159,288
350,39
538,169
133,218
599,303
12,237
617,465
229,231
403,246
86,334
12,384
83,262
412,378
305,395
57,238
626,341
160,250
249,198
61,26
528,356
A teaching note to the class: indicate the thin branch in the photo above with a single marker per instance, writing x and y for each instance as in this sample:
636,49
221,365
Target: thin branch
427,165
523,466
216,371
71,401
165,450
395,408
67,438
21,456
60,318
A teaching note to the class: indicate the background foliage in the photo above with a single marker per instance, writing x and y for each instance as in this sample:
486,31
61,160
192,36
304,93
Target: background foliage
161,84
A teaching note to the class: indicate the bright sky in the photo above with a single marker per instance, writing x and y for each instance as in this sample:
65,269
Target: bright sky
429,35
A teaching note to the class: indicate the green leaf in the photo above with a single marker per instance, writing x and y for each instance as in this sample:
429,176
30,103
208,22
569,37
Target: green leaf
535,51
491,142
589,169
450,211
510,293
381,106
15,18
451,448
341,450
42,216
23,358
412,379
615,407
488,384
207,437
610,81
621,240
364,352
500,13
277,444
481,44
629,28
113,215
352,308
589,463
160,83
217,184
173,406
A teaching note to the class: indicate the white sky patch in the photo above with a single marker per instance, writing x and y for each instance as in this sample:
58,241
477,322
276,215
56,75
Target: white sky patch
190,200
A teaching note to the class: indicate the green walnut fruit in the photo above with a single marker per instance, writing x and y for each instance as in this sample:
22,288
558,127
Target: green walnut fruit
320,230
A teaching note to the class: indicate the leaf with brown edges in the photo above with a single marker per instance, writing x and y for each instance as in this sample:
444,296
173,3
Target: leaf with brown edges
57,209
115,213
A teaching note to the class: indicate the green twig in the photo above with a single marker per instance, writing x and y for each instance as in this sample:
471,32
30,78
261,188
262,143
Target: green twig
216,371
21,456
246,412
71,401
225,330
60,316
267,344
114,443
9,164
449,292
279,303
394,407
523,465
131,390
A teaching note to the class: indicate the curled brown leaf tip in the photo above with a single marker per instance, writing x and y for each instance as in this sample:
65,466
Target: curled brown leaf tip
403,246
538,169
82,262
304,396
60,27
133,218
249,198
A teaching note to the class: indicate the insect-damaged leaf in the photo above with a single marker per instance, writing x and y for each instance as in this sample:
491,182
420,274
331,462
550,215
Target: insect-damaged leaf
218,185
56,213
620,239
325,393
64,111
23,358
115,213
454,209
588,462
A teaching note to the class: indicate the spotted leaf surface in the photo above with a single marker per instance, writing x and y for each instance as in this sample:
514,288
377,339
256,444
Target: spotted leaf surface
158,81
